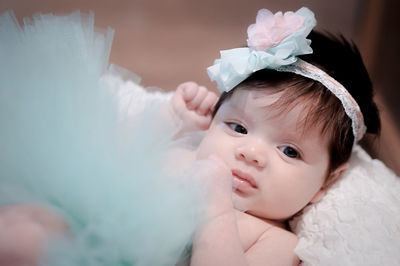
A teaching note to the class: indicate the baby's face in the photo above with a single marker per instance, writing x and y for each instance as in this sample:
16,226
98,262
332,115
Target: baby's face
277,168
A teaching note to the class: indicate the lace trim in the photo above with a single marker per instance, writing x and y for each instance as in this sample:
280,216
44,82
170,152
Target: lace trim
350,106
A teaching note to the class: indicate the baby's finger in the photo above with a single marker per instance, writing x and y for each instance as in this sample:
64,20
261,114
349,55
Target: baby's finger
203,122
189,90
207,104
197,100
177,100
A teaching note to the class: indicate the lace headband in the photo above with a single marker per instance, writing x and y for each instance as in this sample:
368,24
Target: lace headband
274,42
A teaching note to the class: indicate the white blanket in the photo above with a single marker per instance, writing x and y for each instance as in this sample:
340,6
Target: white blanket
357,222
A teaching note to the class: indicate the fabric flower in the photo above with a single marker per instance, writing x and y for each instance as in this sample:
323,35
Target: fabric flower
274,41
269,29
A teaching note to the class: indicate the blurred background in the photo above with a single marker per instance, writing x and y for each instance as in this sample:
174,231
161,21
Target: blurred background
167,42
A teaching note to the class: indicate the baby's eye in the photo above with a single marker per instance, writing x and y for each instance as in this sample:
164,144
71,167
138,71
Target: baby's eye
290,152
237,128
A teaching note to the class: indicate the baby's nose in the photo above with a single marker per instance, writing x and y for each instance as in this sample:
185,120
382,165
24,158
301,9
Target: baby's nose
251,154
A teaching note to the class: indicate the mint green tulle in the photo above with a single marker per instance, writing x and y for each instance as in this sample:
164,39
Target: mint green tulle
63,144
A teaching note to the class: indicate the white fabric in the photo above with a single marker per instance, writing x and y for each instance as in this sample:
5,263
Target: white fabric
358,220
132,97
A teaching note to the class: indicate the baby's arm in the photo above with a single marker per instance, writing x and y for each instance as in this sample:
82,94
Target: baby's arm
274,247
193,104
218,241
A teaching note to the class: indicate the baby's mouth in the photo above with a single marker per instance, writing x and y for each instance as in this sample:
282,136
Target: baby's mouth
243,181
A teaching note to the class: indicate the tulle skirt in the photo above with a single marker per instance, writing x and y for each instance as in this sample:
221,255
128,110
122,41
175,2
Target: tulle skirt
65,143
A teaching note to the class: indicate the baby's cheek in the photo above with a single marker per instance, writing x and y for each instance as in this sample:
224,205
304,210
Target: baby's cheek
203,151
214,142
207,147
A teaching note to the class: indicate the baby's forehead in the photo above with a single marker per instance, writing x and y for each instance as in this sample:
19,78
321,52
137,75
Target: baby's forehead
265,100
261,99
264,97
301,113
261,95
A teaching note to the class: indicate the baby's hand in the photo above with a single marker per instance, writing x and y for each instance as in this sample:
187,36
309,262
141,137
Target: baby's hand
215,178
193,105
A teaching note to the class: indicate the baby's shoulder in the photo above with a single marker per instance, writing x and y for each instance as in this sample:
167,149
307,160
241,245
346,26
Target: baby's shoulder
276,245
257,231
278,235
267,241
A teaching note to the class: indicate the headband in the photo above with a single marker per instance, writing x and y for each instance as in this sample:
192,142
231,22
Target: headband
274,42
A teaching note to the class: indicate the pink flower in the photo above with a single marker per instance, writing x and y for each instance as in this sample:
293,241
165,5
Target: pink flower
270,29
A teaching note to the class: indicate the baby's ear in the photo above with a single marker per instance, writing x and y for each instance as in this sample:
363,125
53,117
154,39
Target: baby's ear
336,175
330,180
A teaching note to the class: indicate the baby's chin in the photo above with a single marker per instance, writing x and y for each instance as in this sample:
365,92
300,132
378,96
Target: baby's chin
242,206
238,203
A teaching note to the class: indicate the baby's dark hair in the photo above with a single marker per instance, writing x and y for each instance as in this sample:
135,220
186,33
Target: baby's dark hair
341,60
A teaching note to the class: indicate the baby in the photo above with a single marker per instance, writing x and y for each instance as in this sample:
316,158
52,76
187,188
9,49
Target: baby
279,136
